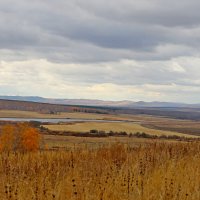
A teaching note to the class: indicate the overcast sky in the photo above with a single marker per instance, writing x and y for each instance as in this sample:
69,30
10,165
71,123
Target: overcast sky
113,50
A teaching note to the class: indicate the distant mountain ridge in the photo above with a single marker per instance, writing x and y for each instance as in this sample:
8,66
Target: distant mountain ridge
90,102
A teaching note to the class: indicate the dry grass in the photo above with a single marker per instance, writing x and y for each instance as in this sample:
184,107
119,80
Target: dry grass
155,171
189,127
54,141
74,115
28,114
109,126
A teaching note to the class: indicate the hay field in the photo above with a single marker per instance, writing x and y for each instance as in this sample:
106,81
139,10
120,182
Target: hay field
110,126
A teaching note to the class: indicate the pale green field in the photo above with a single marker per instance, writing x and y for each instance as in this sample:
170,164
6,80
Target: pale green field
109,126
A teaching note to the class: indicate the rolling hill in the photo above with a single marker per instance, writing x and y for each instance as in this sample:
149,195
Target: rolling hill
90,102
192,113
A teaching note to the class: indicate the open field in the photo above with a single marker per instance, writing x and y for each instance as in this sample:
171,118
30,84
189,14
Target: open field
82,115
109,126
29,114
185,126
149,122
112,172
72,142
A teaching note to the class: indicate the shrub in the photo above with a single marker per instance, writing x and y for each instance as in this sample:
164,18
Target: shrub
93,131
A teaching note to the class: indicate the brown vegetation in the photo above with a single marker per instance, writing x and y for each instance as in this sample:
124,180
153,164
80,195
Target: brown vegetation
45,107
60,115
176,113
19,137
117,172
184,126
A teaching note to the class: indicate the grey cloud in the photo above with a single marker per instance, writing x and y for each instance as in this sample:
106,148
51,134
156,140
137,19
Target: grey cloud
159,12
100,45
126,79
96,31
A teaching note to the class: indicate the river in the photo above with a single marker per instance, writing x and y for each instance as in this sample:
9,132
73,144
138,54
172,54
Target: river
54,120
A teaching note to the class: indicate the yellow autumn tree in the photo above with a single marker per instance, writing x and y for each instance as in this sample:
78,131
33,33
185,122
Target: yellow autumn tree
20,137
30,140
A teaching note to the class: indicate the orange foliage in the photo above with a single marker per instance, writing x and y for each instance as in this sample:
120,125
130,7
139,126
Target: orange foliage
30,139
7,138
21,137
